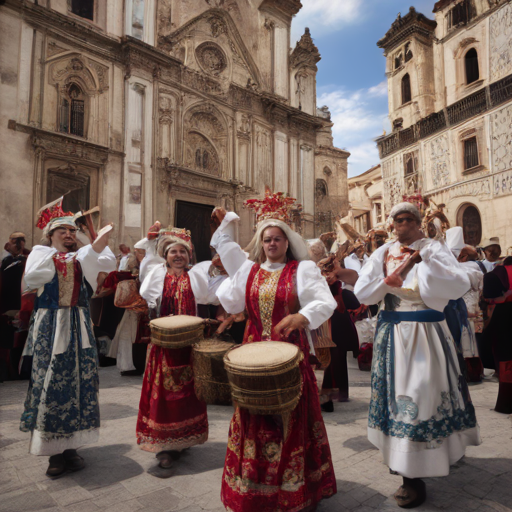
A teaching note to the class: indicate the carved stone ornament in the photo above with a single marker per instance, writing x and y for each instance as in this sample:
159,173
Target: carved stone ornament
211,58
503,184
54,49
305,53
93,75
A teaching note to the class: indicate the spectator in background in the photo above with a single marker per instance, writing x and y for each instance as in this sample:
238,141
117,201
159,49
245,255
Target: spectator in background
123,257
12,267
492,251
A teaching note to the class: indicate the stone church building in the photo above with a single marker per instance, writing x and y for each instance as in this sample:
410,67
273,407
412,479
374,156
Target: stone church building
162,109
450,105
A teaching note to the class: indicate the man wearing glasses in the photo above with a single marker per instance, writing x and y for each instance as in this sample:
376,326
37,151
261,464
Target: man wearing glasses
61,408
421,416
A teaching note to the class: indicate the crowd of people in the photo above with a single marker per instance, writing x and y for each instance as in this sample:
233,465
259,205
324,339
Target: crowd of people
439,313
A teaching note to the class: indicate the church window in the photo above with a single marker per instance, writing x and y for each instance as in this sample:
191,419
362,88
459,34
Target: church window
471,64
72,111
470,153
406,89
408,52
83,8
398,60
321,190
138,19
461,14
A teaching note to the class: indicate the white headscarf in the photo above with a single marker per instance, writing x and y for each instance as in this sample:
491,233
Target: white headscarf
296,243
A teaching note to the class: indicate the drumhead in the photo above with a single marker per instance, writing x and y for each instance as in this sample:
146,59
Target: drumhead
177,323
262,354
212,346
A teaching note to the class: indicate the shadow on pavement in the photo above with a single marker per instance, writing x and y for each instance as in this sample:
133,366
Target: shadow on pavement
106,465
359,444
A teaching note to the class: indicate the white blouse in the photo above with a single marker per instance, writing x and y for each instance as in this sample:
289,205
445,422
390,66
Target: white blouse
40,268
152,287
438,277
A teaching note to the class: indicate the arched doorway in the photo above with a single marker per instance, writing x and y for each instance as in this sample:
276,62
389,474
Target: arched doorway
471,222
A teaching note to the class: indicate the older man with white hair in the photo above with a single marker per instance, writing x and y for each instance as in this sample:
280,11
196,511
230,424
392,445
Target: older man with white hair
421,416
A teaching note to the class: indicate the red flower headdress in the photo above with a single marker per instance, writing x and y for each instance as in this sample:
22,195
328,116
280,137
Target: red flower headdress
52,211
273,206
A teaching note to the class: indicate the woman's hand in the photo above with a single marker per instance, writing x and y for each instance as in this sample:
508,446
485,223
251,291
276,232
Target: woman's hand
290,323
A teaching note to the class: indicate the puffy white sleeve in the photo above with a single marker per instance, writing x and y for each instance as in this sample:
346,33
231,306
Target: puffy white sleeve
199,281
231,292
476,276
93,263
152,288
370,288
440,276
39,268
223,241
316,300
151,258
352,263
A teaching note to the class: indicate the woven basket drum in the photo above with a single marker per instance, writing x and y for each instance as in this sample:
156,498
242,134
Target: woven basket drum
176,331
210,377
265,377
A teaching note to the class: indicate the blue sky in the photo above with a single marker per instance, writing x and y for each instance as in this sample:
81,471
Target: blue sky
351,78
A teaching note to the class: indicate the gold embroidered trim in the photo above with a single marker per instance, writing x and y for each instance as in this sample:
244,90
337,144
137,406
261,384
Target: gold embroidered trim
266,300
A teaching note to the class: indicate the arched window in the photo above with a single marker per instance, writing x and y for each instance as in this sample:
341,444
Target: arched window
406,89
72,111
471,62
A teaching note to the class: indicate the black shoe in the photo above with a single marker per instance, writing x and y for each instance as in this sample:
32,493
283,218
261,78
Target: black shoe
328,406
57,466
73,461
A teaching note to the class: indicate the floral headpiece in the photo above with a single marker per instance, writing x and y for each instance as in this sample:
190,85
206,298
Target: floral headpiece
273,206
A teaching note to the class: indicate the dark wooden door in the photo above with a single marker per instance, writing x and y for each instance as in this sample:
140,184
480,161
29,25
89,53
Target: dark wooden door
196,218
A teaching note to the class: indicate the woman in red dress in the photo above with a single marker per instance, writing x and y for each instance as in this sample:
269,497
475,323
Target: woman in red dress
171,417
266,469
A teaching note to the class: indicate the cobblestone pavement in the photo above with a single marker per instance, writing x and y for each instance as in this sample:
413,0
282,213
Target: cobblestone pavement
116,478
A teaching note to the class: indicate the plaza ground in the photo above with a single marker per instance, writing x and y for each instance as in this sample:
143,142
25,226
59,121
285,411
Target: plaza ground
116,478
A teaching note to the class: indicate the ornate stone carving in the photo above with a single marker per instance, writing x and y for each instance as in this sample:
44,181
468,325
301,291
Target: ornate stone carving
305,54
46,144
393,192
67,68
166,110
501,42
211,58
54,49
200,82
217,25
473,188
439,153
501,123
503,184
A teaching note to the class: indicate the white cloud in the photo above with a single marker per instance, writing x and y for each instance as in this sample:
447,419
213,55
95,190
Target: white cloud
379,90
325,16
359,117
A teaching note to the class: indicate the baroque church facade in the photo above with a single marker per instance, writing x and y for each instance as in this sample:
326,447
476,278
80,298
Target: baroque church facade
450,105
162,109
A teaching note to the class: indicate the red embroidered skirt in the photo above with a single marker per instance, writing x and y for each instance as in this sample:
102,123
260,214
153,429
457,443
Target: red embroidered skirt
265,473
171,417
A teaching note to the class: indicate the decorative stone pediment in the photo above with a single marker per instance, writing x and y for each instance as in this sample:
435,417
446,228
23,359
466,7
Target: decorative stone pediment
210,43
92,75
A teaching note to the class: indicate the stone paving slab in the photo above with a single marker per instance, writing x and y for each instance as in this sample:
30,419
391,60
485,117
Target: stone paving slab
116,478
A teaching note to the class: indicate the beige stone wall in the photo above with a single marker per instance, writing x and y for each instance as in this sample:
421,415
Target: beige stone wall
212,115
440,157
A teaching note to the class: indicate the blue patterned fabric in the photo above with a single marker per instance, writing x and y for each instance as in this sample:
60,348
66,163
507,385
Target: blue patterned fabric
68,402
385,406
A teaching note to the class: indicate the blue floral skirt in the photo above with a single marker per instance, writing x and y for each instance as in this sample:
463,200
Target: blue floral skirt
61,408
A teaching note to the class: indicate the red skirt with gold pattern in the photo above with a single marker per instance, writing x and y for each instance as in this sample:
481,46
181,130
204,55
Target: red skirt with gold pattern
171,417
